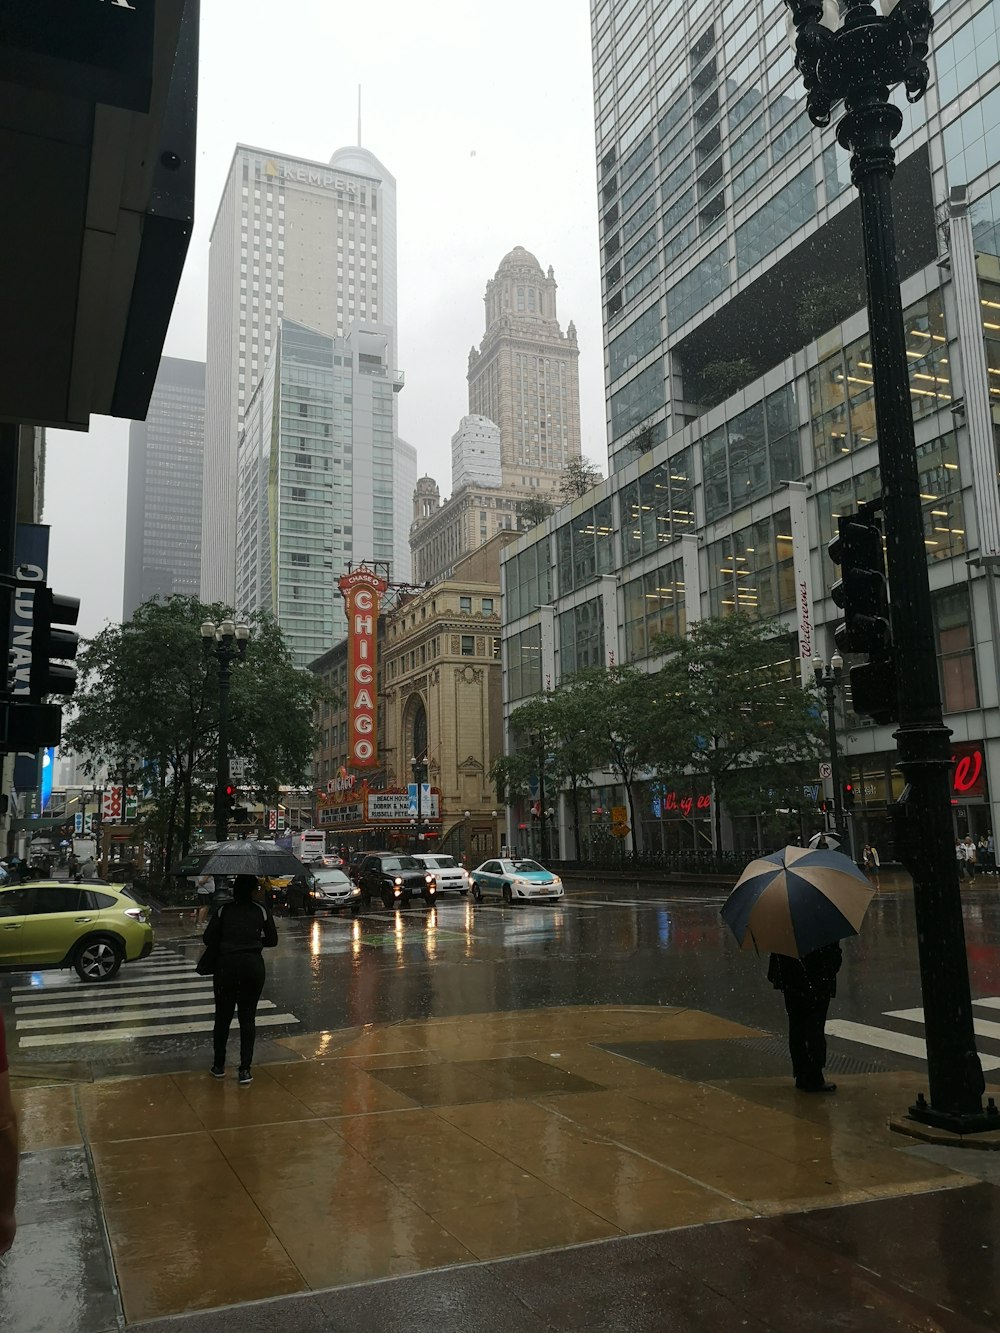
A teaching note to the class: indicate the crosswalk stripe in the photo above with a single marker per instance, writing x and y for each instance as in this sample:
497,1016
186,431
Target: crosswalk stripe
887,1040
991,1002
134,974
157,1030
980,1026
173,995
62,994
92,1020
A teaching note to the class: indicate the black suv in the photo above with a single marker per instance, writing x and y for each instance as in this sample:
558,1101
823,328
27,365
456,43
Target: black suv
396,879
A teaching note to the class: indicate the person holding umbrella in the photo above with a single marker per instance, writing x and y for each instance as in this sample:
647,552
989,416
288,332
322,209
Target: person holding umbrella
235,939
798,904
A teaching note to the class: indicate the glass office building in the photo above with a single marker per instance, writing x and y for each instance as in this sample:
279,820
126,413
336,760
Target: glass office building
738,372
317,481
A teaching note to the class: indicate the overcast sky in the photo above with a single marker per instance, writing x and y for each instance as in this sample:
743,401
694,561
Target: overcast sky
483,113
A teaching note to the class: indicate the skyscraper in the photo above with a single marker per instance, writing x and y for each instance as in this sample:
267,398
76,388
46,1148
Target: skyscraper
322,476
739,381
163,507
523,425
524,375
313,242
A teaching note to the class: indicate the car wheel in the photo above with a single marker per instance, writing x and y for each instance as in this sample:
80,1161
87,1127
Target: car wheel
429,899
508,897
477,893
404,900
387,900
98,960
310,909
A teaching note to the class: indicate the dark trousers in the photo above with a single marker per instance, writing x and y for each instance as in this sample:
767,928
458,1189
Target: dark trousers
238,982
806,1037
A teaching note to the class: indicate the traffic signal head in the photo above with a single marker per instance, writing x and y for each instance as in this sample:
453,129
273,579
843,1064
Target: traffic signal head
231,796
848,793
48,676
861,590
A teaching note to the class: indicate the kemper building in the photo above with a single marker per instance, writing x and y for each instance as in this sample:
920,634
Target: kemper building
313,243
739,380
523,426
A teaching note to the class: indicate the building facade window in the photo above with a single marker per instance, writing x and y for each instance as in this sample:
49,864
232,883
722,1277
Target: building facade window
955,650
654,605
658,507
752,571
581,638
524,665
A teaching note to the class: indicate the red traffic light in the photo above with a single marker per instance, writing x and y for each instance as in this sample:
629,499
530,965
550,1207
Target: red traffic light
230,791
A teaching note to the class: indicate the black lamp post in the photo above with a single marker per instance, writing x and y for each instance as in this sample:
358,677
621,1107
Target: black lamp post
828,678
419,767
858,63
227,642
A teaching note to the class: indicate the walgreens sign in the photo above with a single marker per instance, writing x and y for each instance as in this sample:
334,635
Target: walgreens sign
362,591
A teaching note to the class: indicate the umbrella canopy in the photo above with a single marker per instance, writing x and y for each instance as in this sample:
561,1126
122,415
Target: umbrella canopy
248,857
797,900
832,840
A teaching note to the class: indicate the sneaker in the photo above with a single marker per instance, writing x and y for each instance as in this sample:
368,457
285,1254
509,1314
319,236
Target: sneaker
218,1071
246,1078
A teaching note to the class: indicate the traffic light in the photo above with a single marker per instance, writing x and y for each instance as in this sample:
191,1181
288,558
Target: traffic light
848,795
230,799
47,643
862,594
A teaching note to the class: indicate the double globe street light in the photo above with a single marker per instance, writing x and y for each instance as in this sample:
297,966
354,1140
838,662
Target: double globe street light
829,678
227,643
855,59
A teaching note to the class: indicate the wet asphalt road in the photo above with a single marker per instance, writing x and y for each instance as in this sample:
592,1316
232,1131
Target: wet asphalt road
607,944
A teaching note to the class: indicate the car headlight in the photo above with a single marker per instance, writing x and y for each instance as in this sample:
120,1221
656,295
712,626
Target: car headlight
397,880
429,879
557,882
355,888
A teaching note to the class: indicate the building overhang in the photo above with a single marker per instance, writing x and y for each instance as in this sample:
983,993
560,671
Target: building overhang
97,134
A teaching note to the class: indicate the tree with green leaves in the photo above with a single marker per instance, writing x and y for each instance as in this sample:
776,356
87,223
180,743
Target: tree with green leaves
730,711
554,731
148,701
533,511
579,476
614,702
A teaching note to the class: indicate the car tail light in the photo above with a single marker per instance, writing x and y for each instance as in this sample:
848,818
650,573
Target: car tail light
136,913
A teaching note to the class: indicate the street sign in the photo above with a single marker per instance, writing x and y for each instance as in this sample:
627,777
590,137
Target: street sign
619,815
78,824
620,830
825,771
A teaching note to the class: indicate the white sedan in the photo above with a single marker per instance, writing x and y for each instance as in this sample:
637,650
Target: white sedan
517,880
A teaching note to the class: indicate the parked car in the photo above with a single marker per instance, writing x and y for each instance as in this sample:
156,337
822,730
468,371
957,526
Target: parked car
446,871
516,880
323,890
93,927
395,879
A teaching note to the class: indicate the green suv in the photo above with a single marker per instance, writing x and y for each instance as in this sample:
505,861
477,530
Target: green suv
93,927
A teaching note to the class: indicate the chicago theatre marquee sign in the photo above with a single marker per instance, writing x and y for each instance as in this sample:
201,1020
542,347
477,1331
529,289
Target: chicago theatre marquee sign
362,590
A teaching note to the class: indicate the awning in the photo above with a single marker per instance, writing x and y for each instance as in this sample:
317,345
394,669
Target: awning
97,136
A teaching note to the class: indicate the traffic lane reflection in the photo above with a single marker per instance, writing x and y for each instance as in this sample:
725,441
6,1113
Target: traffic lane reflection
458,958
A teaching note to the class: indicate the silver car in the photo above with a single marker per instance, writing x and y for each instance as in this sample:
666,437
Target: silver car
325,890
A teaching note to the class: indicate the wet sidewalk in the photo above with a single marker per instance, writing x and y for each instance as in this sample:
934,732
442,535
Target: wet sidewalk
580,1168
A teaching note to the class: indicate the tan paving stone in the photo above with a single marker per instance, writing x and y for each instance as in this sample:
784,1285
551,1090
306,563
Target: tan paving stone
334,1087
136,1108
223,1104
521,1223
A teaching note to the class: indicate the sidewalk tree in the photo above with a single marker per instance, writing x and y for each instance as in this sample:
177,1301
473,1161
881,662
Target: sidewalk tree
730,712
147,690
579,476
615,701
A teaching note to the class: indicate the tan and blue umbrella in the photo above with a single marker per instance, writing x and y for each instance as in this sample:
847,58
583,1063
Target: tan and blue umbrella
797,900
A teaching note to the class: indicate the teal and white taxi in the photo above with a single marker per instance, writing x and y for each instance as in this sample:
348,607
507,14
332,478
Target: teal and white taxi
516,880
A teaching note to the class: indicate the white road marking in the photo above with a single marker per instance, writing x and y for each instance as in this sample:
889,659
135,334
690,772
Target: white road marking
52,1005
133,974
85,1020
125,1034
887,1040
980,1026
61,994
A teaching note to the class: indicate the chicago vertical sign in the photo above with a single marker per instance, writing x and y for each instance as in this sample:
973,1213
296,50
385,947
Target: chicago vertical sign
362,591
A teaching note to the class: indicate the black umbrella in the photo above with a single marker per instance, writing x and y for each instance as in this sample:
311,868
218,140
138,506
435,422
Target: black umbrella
250,857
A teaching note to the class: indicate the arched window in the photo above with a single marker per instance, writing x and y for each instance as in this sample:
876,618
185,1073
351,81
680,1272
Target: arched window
419,746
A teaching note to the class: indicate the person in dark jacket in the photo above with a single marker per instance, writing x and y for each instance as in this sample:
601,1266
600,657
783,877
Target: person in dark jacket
239,931
808,985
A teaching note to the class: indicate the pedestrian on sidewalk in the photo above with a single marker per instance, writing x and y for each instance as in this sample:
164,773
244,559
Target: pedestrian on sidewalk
963,869
8,1152
808,985
871,863
238,933
73,866
970,856
204,887
991,855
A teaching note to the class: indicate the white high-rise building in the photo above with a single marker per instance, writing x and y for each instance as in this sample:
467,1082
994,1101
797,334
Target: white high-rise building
475,454
310,241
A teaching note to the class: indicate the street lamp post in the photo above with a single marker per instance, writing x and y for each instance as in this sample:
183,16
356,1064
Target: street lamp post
828,678
227,642
857,63
419,767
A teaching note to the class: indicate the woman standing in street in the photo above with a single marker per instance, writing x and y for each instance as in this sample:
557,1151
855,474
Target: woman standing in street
871,863
237,934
